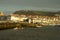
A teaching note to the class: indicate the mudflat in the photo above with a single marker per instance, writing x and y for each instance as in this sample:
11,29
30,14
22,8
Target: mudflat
44,33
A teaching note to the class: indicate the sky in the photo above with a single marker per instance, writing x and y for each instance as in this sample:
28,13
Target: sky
42,5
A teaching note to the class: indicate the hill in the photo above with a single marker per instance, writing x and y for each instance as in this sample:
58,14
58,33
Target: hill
29,12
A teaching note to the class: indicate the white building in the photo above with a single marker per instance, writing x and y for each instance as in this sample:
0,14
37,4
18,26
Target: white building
17,19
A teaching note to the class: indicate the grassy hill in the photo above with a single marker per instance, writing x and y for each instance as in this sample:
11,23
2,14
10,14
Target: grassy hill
30,12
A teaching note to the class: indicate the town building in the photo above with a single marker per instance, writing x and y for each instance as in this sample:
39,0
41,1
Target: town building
1,14
45,20
17,18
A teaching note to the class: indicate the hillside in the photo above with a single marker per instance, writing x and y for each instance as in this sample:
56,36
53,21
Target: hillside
29,12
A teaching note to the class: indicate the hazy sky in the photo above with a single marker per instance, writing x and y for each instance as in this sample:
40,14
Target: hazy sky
45,5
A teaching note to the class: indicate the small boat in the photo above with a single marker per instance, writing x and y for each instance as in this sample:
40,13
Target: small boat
38,26
17,28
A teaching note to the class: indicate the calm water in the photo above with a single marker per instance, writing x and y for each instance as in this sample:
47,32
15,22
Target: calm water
44,33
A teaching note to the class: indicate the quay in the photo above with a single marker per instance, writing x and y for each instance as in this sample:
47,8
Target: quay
14,25
20,25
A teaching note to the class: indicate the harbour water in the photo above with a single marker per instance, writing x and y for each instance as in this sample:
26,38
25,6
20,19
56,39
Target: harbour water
43,33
